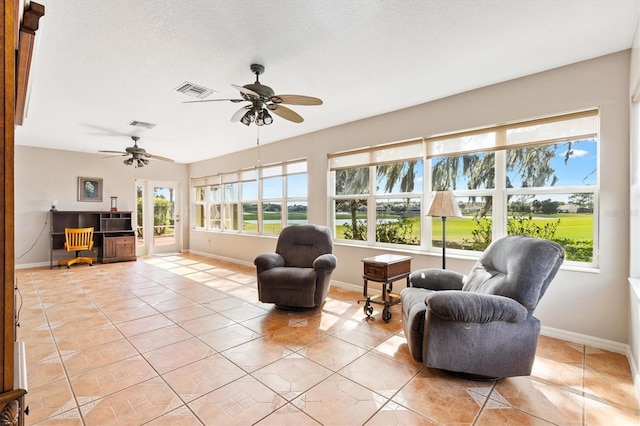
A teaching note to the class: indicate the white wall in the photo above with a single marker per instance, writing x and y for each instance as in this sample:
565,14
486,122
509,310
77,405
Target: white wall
593,304
634,214
43,175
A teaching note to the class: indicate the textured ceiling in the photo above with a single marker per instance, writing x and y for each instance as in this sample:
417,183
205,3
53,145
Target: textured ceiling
100,64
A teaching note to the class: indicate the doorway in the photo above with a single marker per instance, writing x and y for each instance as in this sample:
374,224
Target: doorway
158,217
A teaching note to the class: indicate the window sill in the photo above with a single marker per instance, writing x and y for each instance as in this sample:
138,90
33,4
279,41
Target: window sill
473,257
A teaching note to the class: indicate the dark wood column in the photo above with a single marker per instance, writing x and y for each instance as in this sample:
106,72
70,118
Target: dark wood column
9,48
17,31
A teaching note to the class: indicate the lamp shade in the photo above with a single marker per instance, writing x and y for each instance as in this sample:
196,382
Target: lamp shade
444,204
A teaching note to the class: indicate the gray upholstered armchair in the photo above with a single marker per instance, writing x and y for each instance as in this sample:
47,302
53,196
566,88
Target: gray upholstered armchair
481,325
298,274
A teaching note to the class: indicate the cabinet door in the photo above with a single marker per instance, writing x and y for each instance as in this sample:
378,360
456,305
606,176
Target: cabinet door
109,248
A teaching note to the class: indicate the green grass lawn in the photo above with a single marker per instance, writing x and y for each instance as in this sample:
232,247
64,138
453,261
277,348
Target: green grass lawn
573,226
250,221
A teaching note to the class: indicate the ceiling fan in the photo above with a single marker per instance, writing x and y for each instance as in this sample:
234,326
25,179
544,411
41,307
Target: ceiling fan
139,156
261,100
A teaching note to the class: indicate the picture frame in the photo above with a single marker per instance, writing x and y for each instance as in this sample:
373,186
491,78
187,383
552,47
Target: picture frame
90,189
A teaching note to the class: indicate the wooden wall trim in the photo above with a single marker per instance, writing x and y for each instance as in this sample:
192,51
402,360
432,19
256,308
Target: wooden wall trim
7,192
27,39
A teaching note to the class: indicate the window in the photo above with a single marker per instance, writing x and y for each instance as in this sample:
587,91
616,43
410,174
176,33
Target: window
215,207
201,203
230,206
296,198
537,178
389,178
398,203
252,201
350,203
249,198
272,194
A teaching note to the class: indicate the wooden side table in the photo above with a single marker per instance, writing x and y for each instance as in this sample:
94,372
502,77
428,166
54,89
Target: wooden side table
385,269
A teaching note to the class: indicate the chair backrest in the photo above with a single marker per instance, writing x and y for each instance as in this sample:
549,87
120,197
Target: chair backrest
517,267
300,245
78,238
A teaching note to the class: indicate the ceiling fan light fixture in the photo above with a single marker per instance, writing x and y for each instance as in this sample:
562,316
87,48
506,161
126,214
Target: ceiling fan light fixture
266,117
260,118
128,161
247,118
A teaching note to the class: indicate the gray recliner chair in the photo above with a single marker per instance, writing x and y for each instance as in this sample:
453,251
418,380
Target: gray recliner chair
298,274
481,326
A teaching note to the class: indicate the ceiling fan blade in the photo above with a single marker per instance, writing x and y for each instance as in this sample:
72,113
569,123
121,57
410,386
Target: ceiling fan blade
296,100
212,100
245,90
157,157
238,114
114,152
286,113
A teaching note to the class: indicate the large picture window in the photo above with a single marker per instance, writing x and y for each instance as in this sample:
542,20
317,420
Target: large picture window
251,201
537,178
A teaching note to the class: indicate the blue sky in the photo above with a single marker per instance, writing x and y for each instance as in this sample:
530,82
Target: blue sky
581,167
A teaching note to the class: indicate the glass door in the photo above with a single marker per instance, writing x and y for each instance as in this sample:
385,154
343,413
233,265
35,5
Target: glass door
141,248
158,218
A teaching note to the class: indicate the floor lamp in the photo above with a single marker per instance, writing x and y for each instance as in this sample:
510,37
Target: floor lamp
444,205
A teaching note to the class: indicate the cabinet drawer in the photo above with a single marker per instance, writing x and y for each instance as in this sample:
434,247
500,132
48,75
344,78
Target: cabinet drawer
375,272
124,240
125,250
125,247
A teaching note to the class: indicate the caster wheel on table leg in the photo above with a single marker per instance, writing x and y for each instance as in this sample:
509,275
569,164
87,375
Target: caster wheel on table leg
368,310
386,314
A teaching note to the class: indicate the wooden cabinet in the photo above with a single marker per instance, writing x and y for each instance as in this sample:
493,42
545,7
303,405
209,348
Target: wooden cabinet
113,236
119,248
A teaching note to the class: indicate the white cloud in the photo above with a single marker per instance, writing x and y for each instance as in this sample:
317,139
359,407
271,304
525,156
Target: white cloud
575,153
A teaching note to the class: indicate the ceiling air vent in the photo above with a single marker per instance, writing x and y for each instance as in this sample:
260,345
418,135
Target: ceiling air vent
194,90
142,124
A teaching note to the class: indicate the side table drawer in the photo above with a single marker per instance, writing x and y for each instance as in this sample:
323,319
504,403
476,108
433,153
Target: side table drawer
399,268
375,272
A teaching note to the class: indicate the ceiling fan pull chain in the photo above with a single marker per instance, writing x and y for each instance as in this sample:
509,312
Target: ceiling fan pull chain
258,144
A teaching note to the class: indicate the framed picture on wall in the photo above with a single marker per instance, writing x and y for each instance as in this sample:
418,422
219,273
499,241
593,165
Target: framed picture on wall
89,189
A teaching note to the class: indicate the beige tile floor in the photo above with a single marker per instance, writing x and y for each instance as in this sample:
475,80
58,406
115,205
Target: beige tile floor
182,340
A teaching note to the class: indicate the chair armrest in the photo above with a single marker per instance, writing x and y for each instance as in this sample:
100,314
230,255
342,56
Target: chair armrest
436,279
466,306
325,261
266,261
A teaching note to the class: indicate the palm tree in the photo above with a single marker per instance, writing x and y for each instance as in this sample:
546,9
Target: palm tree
352,181
531,163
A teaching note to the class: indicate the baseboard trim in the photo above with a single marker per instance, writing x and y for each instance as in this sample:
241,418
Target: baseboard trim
34,265
583,339
223,258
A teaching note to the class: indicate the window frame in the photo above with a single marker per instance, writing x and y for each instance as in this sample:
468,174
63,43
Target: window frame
230,207
432,148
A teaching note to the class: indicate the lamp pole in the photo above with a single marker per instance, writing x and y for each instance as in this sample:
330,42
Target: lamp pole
444,205
444,239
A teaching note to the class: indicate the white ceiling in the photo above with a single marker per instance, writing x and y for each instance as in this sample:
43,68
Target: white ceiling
101,64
